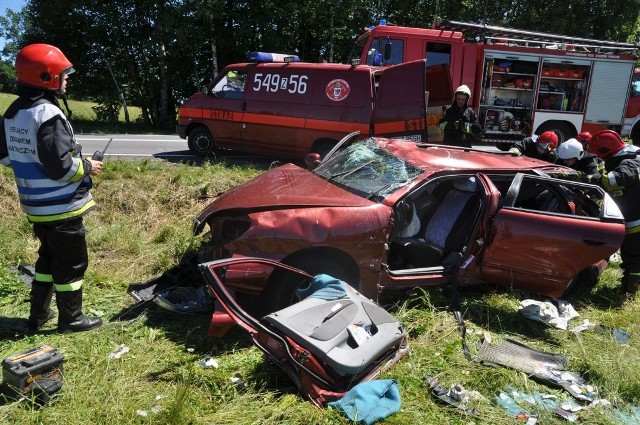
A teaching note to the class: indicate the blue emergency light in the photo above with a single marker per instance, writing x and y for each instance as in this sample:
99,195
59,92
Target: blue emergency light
381,22
265,57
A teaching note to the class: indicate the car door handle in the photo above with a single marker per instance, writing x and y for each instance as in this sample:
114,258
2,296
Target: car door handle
592,241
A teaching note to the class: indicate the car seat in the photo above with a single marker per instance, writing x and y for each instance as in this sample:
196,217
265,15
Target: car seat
446,226
329,342
323,327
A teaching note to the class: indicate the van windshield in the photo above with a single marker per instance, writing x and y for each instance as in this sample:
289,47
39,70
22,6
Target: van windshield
368,170
231,85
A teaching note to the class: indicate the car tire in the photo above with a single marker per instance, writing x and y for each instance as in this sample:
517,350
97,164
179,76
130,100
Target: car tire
583,283
201,142
280,292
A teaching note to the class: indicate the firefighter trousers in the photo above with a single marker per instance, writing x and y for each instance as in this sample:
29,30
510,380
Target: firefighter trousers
62,256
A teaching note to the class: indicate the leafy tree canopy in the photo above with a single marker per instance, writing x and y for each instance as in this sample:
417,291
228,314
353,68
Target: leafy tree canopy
155,53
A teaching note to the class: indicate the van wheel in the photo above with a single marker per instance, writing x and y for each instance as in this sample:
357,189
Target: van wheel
200,142
564,131
635,135
280,292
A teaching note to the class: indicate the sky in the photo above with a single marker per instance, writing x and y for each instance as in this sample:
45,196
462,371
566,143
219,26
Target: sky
15,5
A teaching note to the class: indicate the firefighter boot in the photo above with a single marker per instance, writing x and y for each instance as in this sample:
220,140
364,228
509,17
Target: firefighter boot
630,283
70,317
39,311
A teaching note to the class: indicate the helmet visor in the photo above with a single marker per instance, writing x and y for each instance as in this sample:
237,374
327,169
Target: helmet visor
543,147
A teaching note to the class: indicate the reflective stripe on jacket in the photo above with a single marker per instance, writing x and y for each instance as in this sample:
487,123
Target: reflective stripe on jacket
622,181
52,178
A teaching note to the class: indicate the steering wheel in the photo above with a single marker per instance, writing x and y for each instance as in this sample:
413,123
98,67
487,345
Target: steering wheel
229,87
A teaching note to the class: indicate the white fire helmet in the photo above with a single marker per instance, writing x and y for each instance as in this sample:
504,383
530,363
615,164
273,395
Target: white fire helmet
570,149
464,90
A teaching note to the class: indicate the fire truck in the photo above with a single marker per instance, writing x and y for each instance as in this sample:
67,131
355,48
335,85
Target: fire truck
631,127
522,82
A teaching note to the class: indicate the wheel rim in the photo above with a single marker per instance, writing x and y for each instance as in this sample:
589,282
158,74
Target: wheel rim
203,143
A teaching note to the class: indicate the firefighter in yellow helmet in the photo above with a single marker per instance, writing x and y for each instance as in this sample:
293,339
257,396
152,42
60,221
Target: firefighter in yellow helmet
53,181
459,121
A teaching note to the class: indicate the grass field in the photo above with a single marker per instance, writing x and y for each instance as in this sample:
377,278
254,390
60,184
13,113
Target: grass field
84,117
142,226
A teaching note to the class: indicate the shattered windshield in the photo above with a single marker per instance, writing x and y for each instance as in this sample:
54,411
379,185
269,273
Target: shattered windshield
366,169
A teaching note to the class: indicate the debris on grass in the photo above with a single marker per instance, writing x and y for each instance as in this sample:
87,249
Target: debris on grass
119,352
209,363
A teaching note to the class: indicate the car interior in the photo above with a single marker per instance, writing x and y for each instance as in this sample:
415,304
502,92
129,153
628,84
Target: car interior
447,211
435,224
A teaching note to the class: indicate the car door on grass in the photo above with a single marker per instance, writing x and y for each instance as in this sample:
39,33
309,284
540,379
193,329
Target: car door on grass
548,231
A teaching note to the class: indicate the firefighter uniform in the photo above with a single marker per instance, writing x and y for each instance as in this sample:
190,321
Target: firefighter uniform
528,147
459,121
460,126
621,178
53,181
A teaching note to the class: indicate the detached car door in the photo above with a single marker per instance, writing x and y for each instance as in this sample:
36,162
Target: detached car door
547,232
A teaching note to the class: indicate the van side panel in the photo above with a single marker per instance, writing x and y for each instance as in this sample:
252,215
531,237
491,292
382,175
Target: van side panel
222,117
290,107
277,98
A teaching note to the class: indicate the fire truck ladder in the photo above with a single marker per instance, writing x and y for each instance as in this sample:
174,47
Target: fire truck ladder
511,36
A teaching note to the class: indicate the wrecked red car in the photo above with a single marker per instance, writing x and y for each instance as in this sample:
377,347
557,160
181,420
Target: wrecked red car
384,214
388,215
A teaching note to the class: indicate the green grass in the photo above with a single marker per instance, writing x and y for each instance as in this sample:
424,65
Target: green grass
142,226
84,117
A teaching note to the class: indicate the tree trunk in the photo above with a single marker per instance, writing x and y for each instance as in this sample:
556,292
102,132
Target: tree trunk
163,110
214,57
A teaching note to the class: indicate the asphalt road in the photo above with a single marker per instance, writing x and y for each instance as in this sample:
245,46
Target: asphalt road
133,146
167,147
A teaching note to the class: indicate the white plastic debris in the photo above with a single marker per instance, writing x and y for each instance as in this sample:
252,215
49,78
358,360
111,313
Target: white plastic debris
209,363
119,352
237,381
556,313
586,325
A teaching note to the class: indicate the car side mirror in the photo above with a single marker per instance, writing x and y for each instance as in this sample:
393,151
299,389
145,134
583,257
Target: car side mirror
312,160
204,90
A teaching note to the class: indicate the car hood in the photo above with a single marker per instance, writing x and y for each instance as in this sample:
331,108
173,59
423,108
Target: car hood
287,186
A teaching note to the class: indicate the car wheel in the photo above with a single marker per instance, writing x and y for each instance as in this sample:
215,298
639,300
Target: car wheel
584,281
200,142
280,292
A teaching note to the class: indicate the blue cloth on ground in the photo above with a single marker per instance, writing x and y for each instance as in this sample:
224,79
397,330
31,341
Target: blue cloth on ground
324,287
370,401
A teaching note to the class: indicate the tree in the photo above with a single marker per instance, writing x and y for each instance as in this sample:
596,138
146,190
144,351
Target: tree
12,27
155,53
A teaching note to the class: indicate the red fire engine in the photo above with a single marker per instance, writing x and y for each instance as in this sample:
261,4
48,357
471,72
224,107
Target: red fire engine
522,82
631,126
